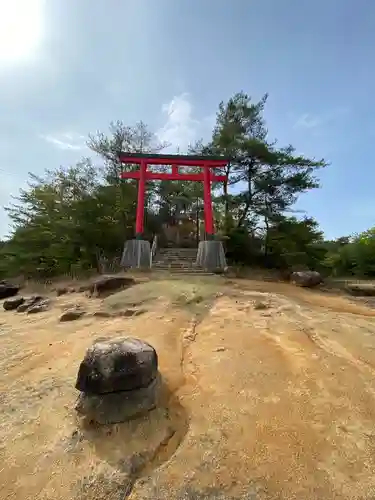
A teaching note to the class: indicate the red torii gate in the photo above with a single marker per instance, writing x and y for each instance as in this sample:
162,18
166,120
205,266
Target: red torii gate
206,163
132,253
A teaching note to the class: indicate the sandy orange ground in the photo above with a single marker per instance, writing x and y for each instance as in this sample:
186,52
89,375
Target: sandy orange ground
268,394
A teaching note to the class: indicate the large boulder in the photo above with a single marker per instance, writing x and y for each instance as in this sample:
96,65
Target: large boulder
308,279
121,364
8,290
12,303
104,285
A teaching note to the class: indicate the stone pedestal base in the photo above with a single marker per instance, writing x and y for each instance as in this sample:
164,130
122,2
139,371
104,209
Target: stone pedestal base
211,255
117,407
137,253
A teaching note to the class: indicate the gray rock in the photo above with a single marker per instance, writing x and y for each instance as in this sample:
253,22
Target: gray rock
306,278
13,303
71,315
121,364
22,308
127,313
62,291
33,301
107,284
361,289
40,306
260,305
8,289
102,314
116,407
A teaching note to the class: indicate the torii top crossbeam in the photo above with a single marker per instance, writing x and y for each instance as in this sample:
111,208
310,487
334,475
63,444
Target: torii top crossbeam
206,163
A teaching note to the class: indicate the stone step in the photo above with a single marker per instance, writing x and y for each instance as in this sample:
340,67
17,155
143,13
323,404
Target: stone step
175,265
200,272
172,269
177,262
177,252
176,256
176,249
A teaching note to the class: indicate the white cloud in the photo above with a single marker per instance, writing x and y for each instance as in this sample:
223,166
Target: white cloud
181,127
66,141
307,121
313,121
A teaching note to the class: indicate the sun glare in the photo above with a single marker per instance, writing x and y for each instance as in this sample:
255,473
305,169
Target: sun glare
21,29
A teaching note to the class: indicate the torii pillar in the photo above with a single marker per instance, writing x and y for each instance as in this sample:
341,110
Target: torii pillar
137,252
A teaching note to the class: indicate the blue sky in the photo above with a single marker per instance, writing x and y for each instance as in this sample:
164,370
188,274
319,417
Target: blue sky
69,67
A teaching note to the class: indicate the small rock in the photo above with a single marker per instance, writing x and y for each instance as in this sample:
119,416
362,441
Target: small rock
34,304
8,289
106,284
259,305
307,279
127,313
220,349
61,291
13,303
22,308
28,302
121,364
77,436
102,314
71,315
40,306
139,312
361,289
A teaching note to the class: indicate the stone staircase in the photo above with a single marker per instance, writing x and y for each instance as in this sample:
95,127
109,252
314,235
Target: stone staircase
177,261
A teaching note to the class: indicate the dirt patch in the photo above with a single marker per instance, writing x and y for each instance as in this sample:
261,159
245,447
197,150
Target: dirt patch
268,393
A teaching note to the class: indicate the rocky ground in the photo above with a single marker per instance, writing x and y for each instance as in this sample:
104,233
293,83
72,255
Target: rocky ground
268,393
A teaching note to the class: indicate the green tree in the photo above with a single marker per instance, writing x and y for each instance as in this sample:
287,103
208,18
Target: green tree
66,219
268,179
70,216
292,243
353,256
132,139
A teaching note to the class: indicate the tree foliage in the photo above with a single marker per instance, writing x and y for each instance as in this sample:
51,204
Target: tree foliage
70,216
